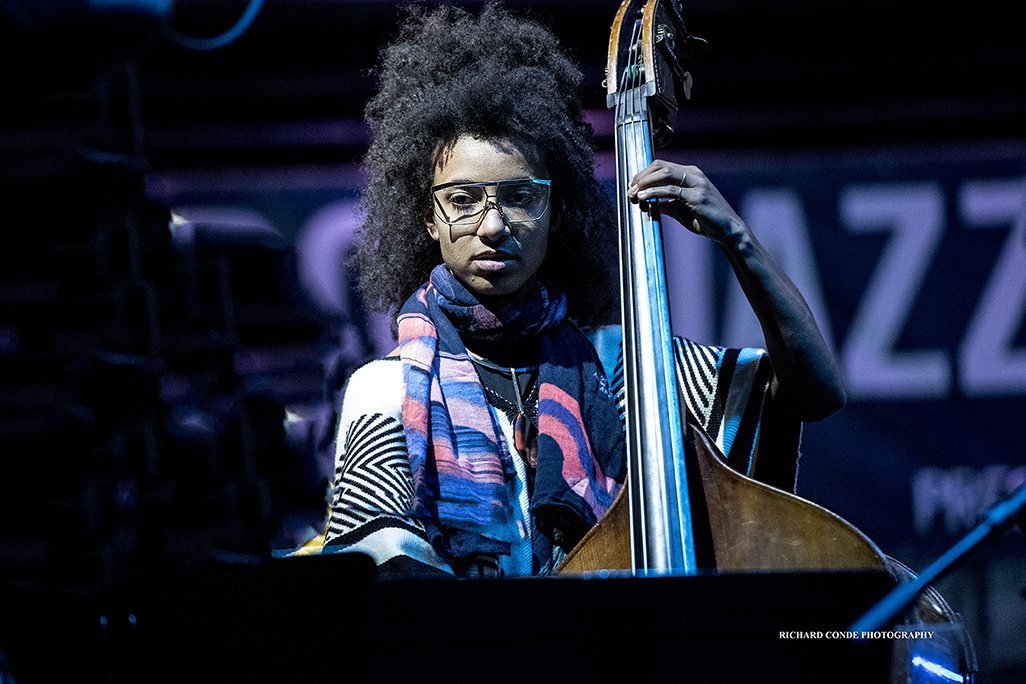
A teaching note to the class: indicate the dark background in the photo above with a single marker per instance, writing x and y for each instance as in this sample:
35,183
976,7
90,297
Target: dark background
166,403
778,75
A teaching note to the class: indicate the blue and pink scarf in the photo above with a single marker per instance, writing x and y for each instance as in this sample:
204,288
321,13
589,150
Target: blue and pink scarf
458,455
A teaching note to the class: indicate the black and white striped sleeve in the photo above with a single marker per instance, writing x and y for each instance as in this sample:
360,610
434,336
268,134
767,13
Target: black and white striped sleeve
373,487
727,390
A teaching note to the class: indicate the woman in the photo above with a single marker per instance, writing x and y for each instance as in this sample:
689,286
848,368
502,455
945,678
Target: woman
489,442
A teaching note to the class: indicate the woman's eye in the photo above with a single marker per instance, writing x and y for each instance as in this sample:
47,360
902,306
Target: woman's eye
521,198
462,200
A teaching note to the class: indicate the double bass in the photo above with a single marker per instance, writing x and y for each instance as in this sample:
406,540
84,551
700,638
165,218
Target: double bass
683,508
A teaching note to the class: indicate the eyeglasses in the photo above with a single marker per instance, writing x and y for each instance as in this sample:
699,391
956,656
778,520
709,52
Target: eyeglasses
517,201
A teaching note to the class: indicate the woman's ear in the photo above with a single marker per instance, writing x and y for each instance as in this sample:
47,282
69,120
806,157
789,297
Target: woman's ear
432,230
429,222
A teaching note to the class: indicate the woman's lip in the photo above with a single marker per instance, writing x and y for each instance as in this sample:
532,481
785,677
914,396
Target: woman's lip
494,261
494,256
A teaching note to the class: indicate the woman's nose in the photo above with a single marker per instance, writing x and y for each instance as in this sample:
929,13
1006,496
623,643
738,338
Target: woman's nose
493,224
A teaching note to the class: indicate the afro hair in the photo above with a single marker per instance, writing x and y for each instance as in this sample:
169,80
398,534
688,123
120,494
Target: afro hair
494,76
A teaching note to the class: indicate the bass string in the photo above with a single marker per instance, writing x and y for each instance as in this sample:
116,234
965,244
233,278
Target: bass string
635,473
639,235
630,111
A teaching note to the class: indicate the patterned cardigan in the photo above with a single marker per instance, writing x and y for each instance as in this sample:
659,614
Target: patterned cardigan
725,389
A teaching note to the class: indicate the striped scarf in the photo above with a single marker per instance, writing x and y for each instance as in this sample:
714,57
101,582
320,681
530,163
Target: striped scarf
459,458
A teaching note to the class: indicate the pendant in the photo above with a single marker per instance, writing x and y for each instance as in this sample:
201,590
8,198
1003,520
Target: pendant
525,439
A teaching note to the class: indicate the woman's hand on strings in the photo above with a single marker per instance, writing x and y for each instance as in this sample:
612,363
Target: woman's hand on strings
806,383
685,194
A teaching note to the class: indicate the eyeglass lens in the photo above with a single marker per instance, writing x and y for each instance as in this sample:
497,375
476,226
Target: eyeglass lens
518,200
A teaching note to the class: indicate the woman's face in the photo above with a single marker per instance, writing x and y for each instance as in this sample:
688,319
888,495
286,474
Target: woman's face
490,256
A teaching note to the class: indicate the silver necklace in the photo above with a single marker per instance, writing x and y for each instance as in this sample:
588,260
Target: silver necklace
527,407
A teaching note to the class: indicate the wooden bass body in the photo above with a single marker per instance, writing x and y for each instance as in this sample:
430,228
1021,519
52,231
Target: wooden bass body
752,527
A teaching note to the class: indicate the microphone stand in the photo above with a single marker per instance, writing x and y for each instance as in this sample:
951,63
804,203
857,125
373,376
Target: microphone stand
999,518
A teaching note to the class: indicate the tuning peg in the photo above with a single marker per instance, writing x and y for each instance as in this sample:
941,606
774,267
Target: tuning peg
685,82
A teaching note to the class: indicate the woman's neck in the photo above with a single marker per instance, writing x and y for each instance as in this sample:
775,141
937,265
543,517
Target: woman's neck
520,355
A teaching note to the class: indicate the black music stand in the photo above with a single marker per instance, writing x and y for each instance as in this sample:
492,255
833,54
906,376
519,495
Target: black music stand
324,619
